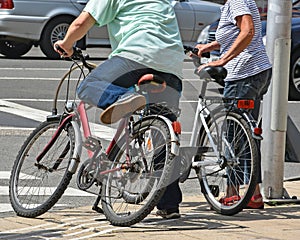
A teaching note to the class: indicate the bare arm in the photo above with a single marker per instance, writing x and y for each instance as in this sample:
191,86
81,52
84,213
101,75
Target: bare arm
76,31
246,26
203,48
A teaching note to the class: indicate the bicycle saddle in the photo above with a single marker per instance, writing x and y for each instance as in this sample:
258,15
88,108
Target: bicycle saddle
217,73
152,83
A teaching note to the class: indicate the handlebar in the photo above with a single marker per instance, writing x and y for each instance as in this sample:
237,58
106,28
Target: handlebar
77,55
195,51
218,74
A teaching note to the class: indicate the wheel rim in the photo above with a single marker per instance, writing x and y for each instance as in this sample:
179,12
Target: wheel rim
59,32
296,75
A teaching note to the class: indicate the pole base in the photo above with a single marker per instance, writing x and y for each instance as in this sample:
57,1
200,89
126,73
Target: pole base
286,199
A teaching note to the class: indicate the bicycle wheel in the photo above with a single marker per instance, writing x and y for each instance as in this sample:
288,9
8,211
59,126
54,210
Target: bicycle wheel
131,193
35,186
227,176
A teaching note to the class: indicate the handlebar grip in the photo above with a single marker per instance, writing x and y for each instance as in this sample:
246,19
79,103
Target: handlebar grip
60,49
77,53
206,55
195,51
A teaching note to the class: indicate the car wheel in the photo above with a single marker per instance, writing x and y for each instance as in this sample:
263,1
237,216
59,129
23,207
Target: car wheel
14,49
55,30
294,83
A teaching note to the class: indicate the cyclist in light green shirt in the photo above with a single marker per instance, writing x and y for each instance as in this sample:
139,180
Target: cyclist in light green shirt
143,31
145,38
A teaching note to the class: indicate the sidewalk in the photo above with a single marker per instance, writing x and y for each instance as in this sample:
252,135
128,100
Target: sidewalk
197,222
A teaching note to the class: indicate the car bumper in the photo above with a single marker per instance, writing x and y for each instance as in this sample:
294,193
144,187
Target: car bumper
22,26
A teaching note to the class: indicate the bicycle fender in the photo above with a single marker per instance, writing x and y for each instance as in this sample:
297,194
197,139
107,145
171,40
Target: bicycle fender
253,125
175,140
77,149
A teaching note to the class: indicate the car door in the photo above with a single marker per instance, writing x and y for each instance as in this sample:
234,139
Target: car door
186,19
205,14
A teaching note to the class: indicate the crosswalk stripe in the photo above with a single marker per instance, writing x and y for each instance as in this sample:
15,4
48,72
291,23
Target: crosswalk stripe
6,175
71,192
102,131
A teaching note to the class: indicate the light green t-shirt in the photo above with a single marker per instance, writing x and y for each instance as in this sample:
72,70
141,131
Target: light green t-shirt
145,31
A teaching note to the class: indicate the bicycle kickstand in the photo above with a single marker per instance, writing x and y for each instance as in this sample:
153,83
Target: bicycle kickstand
96,203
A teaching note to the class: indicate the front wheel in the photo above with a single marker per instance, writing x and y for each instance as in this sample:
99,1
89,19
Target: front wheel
35,186
227,176
133,189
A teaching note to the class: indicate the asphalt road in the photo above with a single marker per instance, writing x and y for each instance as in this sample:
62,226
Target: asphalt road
27,89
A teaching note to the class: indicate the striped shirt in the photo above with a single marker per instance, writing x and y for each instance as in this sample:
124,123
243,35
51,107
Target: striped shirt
251,60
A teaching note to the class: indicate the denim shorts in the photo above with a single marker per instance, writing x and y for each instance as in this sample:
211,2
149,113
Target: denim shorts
251,87
116,76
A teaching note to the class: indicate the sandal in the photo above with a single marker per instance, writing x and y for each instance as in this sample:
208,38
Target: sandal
254,204
228,201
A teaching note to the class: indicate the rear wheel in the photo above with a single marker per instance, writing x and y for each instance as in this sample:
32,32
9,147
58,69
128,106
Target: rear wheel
131,192
35,186
228,177
14,49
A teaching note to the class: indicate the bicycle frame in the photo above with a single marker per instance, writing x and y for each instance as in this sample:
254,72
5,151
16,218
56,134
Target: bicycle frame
201,114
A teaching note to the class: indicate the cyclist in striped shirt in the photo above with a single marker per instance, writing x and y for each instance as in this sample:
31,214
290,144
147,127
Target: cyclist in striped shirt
243,54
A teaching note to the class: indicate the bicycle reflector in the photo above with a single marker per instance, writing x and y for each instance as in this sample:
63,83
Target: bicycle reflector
245,104
177,127
257,131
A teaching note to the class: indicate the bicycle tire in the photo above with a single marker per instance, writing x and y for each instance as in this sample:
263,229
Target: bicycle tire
128,196
34,187
222,177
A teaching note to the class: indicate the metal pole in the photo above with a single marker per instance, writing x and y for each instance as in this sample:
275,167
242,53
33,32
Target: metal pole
276,100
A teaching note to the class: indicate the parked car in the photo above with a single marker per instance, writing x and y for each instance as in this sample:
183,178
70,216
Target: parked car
27,23
208,35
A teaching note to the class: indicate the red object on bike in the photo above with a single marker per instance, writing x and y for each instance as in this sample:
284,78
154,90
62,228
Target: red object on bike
245,104
177,127
228,201
257,131
6,4
155,84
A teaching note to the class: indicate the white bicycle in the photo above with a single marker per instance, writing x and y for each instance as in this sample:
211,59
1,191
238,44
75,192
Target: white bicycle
223,148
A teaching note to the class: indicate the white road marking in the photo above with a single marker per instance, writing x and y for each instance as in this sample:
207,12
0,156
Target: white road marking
34,69
29,78
23,111
99,130
6,175
5,207
71,192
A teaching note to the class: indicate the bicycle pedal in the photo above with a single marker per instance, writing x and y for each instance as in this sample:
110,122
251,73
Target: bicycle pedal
92,143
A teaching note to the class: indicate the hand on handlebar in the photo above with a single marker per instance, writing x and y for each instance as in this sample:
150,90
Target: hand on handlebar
63,51
216,63
202,51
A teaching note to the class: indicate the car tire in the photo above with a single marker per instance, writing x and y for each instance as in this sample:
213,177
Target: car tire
14,49
55,30
294,81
